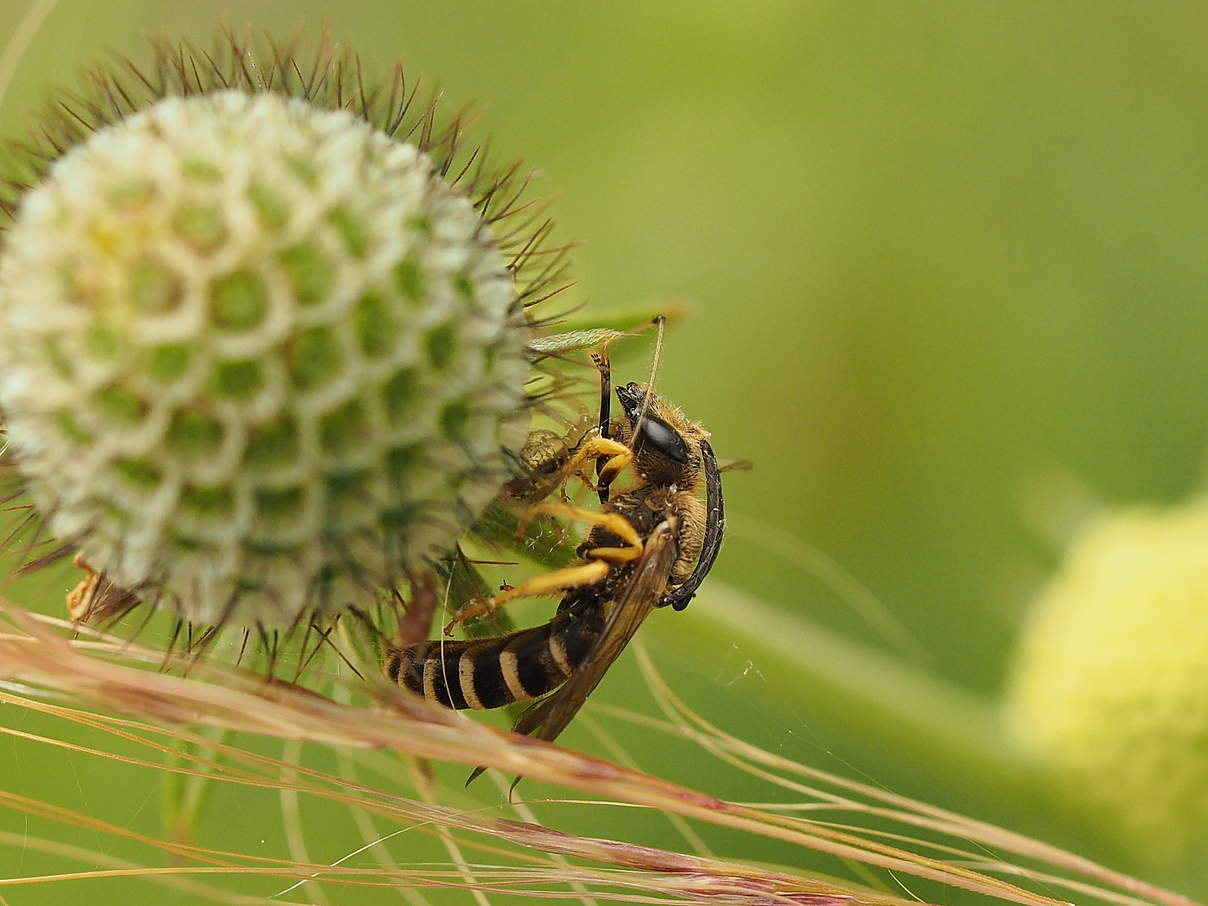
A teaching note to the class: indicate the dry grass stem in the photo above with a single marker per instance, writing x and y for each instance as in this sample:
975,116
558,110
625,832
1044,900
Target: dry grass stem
487,854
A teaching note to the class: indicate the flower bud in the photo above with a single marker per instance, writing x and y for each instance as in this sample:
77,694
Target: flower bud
1110,686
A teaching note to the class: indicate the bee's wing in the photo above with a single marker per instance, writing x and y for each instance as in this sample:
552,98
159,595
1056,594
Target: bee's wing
550,716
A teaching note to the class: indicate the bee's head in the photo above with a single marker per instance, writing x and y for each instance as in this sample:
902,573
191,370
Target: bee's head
666,443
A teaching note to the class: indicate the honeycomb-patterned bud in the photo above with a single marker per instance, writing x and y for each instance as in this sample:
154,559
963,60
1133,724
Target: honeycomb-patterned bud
1110,686
256,356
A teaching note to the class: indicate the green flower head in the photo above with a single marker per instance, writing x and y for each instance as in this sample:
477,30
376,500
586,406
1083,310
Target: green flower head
260,352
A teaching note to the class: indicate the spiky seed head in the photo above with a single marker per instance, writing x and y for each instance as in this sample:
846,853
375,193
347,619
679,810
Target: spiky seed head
1110,686
256,356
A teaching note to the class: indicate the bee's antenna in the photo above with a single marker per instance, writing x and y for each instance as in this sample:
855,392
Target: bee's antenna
660,325
604,366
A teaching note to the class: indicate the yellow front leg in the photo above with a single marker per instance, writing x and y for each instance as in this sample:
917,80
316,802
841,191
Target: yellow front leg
619,458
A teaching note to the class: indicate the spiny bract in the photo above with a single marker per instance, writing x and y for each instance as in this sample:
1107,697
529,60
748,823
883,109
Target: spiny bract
256,356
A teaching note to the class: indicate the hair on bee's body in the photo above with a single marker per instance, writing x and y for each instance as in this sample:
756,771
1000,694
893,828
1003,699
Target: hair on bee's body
650,545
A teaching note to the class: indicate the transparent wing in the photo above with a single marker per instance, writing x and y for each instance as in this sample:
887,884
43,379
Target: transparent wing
549,717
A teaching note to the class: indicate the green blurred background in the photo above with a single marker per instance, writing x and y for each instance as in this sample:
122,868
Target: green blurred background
946,263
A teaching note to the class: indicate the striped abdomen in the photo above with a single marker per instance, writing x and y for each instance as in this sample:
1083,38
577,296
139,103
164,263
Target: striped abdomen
491,673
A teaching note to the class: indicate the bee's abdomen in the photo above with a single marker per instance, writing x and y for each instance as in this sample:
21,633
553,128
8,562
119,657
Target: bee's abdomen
490,673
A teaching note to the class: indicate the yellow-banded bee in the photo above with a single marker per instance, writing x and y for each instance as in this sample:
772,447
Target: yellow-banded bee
649,546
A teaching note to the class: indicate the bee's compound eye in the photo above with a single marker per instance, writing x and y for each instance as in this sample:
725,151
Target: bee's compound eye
632,398
663,439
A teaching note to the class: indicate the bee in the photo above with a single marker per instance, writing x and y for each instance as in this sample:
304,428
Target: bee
650,546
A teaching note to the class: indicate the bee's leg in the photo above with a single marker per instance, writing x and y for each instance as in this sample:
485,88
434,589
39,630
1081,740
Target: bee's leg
550,583
615,465
612,522
604,366
600,560
616,457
